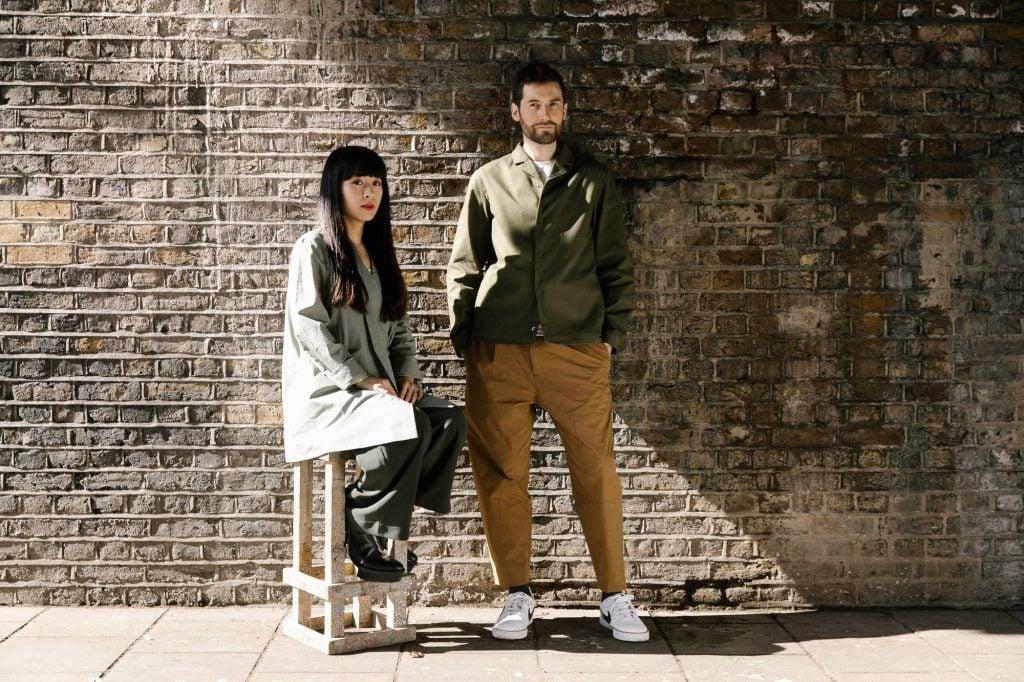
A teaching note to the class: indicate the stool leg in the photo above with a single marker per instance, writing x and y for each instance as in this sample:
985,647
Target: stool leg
396,610
362,607
334,542
302,540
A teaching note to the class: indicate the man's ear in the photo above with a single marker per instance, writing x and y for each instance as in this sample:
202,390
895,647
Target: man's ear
515,112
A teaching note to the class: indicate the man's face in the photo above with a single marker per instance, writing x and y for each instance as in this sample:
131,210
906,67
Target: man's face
541,113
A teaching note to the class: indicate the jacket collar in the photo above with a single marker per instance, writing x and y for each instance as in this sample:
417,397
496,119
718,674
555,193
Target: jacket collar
564,159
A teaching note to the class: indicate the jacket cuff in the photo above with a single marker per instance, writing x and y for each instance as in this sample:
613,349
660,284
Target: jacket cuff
349,373
613,338
409,367
460,342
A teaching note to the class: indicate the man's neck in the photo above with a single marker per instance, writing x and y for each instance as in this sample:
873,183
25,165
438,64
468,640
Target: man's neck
539,152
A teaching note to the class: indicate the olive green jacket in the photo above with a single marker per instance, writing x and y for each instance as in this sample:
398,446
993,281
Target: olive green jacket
531,253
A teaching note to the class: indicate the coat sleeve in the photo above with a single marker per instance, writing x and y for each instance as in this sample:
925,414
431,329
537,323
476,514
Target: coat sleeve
403,352
472,251
614,265
309,318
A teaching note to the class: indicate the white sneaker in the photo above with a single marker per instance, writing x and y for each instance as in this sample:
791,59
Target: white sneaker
515,618
619,616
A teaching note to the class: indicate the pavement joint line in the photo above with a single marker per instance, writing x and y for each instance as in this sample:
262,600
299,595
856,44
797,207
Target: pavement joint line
277,631
891,613
133,643
676,657
24,625
411,648
917,633
807,652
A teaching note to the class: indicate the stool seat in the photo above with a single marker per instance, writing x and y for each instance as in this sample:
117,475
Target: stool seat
357,614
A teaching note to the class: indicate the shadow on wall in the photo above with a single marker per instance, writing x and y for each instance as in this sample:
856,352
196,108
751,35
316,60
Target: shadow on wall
809,385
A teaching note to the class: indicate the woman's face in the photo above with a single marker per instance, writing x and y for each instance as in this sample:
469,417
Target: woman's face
362,195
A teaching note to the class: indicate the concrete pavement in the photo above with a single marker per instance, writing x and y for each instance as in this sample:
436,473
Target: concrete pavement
244,644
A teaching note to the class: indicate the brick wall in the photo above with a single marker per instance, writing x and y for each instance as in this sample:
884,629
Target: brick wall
820,399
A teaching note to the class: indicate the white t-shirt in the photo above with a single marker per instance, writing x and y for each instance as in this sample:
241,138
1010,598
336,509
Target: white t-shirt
544,168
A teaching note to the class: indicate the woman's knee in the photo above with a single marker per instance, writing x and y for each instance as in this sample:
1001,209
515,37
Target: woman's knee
455,419
422,422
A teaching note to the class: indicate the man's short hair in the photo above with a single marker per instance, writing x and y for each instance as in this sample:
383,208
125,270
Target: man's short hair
535,72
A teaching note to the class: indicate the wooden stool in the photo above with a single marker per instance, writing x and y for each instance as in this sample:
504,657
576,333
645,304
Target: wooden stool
379,612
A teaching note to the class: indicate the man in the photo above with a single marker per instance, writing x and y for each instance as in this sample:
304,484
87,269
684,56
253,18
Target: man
540,286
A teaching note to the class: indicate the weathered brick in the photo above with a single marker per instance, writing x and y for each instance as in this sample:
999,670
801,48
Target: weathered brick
756,168
43,209
40,255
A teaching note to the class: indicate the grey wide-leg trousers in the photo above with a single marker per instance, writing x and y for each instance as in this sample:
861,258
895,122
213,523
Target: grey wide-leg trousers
395,476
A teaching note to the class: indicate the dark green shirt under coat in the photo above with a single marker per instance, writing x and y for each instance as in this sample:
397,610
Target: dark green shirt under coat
530,252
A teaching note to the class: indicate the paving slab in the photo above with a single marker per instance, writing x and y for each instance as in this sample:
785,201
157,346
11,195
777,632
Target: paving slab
9,627
907,677
225,614
966,632
286,655
19,613
994,668
105,621
707,617
426,615
980,619
181,667
744,668
50,677
561,639
465,637
224,633
730,639
456,644
13,618
880,655
812,625
245,644
321,677
612,677
844,642
86,656
471,666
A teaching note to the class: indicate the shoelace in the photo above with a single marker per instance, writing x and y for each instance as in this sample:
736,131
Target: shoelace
624,604
517,601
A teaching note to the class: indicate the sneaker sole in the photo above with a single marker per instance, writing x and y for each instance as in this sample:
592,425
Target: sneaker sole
625,636
378,576
510,634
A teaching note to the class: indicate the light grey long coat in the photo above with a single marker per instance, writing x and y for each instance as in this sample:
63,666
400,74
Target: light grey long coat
327,349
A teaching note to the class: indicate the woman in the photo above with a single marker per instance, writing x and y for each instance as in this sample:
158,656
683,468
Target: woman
350,375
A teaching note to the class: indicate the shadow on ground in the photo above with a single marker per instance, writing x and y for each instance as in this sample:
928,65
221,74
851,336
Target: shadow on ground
748,634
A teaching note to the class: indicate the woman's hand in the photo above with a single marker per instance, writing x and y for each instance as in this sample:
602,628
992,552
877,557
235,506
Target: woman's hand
377,384
409,390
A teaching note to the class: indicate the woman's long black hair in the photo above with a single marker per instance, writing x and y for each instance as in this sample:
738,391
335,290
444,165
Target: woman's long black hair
347,286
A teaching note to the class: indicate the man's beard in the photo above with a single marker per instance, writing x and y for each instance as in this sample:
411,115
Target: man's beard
546,136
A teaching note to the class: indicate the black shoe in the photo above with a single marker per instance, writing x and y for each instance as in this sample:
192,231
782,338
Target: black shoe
370,563
410,556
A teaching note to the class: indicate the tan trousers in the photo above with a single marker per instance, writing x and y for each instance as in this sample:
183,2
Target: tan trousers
503,384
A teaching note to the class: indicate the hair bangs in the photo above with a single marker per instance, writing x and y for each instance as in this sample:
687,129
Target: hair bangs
360,161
